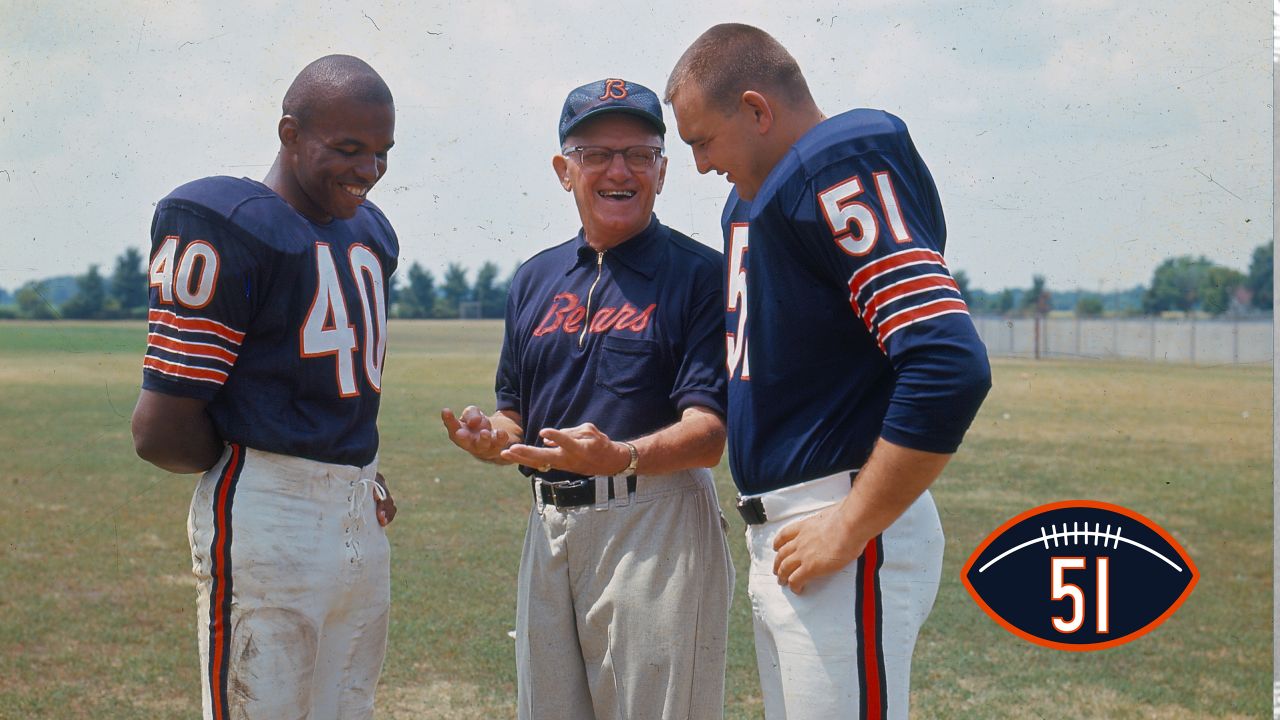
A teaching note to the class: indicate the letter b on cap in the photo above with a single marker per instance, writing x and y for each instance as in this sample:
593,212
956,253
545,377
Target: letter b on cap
614,89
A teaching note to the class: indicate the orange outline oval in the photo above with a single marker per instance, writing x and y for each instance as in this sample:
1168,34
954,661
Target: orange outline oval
1080,647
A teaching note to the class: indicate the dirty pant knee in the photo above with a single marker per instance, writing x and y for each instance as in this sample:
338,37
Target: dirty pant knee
270,665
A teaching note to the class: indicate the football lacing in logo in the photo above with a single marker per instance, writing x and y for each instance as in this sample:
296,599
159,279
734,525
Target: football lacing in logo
1077,536
1074,535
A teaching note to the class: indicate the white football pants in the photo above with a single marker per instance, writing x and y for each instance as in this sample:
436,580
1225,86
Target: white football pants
842,648
293,588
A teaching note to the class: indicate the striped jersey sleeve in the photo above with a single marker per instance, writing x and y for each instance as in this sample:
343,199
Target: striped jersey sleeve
906,287
875,225
199,304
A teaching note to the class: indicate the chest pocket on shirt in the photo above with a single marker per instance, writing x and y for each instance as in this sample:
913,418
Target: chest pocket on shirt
628,365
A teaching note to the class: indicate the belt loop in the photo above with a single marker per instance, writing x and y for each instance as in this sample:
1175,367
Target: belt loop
621,498
535,482
601,486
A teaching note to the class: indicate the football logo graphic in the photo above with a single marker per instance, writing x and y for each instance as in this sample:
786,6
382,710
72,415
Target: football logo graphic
1079,575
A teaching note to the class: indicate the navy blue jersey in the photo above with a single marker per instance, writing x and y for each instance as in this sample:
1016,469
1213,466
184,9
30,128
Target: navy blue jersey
625,339
279,322
843,323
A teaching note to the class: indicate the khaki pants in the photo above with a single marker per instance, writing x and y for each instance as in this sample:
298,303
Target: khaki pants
293,588
622,609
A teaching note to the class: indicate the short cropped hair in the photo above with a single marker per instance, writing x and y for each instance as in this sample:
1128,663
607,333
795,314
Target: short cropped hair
731,58
331,78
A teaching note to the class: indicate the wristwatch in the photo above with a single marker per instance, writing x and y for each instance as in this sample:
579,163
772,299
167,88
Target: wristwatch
635,457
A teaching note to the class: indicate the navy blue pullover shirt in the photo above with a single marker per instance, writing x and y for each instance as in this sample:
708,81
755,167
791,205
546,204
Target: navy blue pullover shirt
627,338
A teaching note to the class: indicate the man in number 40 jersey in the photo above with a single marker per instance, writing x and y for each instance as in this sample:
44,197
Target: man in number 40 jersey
854,372
266,335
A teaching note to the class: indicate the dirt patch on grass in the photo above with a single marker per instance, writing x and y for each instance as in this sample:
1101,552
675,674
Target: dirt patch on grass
441,700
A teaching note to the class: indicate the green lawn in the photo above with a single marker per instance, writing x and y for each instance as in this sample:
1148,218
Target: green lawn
97,602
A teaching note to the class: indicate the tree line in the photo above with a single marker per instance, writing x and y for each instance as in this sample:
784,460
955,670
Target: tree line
455,296
1183,284
123,293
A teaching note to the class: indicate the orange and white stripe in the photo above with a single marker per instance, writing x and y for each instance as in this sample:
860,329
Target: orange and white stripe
905,288
889,263
919,313
199,325
194,349
914,294
184,372
190,348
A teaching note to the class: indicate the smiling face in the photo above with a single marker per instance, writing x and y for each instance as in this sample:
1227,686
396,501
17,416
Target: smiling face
615,202
730,144
335,156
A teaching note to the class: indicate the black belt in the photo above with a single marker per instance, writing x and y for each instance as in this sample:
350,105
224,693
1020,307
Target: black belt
576,493
752,508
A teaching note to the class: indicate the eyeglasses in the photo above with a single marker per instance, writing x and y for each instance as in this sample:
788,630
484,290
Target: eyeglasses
637,157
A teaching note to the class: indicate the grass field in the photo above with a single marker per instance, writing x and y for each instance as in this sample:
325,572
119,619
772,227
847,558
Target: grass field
97,600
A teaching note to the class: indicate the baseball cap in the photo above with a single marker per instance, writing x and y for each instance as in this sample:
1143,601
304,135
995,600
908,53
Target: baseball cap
610,95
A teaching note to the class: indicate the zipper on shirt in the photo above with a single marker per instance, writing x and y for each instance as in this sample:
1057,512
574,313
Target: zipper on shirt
586,323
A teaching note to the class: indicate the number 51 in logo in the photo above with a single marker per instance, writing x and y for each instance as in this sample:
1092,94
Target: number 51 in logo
1079,575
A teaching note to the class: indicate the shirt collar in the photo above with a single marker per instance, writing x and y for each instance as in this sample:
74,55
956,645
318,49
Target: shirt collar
641,253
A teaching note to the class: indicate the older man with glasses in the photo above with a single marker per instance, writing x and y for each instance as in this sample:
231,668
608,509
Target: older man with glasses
611,398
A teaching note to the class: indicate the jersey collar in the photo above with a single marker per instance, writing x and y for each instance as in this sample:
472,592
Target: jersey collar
640,253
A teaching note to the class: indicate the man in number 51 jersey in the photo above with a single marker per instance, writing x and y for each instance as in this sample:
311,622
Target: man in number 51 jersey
854,372
266,336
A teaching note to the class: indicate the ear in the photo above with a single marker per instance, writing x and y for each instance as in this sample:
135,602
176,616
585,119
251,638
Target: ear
288,130
560,165
662,175
761,113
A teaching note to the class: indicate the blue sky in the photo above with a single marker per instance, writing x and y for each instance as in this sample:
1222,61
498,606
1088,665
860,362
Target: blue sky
1084,140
